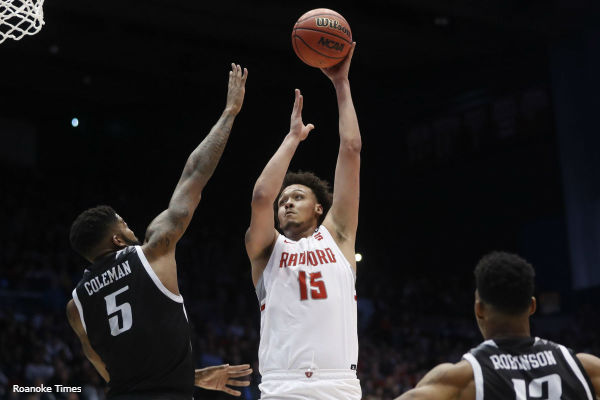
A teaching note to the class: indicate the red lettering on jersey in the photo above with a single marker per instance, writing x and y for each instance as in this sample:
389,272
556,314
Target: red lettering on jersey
284,257
330,255
302,259
322,258
302,281
312,259
262,307
319,236
293,259
319,291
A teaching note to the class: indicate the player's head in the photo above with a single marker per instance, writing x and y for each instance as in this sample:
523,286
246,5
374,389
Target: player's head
98,230
303,202
504,295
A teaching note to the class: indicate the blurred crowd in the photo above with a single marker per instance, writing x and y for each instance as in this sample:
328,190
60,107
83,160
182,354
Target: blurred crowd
408,322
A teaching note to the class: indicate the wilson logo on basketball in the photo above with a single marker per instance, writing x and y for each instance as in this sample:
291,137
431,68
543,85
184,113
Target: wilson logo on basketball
331,44
332,23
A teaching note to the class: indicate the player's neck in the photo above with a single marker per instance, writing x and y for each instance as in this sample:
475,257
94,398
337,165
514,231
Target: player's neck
506,328
296,235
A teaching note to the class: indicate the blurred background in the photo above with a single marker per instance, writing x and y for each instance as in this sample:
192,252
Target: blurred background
480,132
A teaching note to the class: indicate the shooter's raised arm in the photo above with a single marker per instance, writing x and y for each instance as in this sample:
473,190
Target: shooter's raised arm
261,234
342,219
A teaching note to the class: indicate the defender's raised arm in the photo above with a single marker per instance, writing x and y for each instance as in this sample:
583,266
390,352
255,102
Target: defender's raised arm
168,227
261,234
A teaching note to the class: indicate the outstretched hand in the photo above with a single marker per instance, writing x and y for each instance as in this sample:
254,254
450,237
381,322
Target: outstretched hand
297,127
218,376
340,71
236,88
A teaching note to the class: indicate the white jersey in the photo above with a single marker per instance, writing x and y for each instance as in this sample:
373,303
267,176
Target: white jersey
308,307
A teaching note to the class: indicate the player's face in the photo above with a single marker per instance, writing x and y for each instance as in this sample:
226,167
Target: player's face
127,234
297,207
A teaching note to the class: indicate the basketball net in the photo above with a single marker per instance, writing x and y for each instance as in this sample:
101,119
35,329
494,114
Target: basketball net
19,18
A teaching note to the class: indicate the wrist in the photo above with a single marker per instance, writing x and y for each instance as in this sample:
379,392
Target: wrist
291,137
230,112
341,82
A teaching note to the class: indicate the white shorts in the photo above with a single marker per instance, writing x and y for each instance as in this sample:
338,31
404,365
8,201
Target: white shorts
318,385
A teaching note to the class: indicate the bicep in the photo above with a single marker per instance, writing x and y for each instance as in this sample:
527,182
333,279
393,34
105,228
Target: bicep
427,392
343,214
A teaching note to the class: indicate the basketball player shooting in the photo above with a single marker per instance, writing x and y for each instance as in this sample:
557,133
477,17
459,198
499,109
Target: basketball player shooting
510,364
304,278
127,310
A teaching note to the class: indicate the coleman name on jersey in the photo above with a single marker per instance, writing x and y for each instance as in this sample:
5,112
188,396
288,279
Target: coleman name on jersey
109,276
525,362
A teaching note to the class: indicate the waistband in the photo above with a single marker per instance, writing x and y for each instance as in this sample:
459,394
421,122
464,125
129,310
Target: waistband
312,374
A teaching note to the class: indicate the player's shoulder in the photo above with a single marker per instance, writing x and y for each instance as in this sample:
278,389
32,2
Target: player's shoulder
459,374
590,363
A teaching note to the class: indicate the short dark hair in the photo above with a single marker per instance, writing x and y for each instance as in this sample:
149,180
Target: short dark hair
319,187
505,281
90,228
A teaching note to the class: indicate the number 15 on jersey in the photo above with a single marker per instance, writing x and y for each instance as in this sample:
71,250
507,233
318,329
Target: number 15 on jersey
317,285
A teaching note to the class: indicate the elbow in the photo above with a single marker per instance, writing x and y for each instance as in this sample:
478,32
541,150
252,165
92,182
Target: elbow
261,197
353,145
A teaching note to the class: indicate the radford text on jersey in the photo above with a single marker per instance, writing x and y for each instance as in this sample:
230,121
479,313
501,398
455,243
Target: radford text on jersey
109,276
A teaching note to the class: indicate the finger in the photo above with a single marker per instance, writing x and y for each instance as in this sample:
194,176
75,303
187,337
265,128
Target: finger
232,392
238,72
239,367
235,382
238,374
350,53
296,100
300,103
310,127
245,76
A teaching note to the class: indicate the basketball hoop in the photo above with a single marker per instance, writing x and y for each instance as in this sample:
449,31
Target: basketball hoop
19,18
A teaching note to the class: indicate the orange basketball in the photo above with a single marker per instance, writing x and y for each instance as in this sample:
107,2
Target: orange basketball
321,38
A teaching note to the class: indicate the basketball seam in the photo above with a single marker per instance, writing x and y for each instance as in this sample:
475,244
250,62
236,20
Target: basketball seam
328,33
316,51
298,53
320,15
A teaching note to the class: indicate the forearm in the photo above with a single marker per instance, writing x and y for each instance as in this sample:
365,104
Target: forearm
348,121
202,162
269,182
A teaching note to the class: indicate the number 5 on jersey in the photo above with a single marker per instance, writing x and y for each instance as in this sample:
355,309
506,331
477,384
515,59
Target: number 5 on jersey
124,309
317,285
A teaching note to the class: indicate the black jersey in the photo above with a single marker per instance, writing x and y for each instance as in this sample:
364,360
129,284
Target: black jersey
137,326
528,369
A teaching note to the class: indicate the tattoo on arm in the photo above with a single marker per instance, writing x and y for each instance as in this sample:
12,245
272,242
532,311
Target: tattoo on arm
206,156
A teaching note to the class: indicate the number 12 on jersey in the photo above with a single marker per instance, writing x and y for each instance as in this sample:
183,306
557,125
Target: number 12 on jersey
547,388
317,291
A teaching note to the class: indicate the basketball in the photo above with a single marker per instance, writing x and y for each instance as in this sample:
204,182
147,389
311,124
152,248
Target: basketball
321,38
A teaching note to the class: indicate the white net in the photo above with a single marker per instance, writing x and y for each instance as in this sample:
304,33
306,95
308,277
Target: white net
19,18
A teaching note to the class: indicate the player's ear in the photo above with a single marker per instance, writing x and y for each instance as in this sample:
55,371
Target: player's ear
479,307
319,209
118,241
532,306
